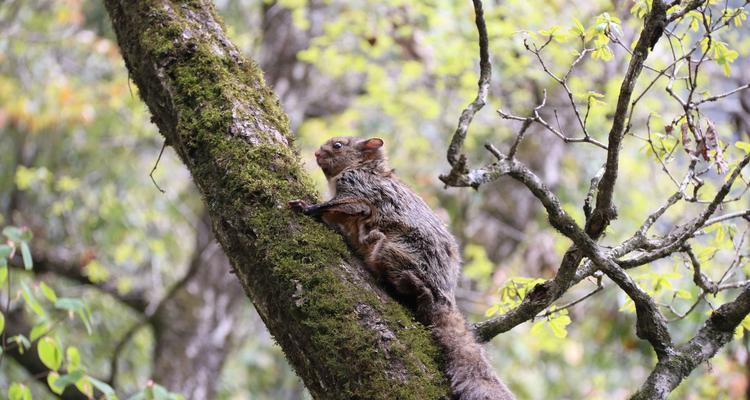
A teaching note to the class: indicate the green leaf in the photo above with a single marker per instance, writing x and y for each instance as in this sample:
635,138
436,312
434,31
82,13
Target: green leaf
492,310
720,235
39,330
3,271
84,386
77,306
53,381
13,233
744,146
628,306
70,378
31,301
21,341
477,265
86,319
18,391
48,292
603,53
26,254
104,388
746,323
2,322
161,393
559,325
69,304
50,353
17,234
74,358
6,250
536,329
578,29
138,395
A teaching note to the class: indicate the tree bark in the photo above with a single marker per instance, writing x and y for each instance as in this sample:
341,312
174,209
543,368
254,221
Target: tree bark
345,338
194,328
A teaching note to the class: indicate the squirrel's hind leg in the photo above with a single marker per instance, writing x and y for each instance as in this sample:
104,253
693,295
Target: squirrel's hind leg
414,290
394,265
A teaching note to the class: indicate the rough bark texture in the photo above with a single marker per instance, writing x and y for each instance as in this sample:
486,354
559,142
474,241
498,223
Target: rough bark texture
345,338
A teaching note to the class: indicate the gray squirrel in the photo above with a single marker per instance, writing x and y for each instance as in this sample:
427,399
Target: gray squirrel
404,244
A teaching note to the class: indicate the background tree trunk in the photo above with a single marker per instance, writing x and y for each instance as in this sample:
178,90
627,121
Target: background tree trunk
194,327
345,338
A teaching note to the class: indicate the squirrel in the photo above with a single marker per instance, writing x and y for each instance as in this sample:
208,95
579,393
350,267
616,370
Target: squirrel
405,245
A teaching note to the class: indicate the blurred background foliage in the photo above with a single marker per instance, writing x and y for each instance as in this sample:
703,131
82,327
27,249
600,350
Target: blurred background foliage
77,148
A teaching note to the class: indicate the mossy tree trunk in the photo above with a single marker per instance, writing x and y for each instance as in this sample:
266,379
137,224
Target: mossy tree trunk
345,338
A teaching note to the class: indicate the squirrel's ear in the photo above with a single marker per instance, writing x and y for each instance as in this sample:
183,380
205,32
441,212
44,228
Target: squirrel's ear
371,144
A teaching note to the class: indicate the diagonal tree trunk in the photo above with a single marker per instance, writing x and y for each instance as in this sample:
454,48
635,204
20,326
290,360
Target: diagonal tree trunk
345,338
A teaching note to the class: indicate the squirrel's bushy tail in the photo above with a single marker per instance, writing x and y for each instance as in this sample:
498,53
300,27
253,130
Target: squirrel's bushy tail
468,369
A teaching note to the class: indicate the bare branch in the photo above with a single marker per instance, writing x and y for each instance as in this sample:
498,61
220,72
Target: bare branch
721,218
485,72
690,6
519,138
536,117
48,262
676,239
699,278
639,238
715,333
562,81
721,96
589,201
652,31
650,323
734,285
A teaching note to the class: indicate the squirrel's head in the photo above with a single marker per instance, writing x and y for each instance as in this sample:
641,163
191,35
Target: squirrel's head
338,153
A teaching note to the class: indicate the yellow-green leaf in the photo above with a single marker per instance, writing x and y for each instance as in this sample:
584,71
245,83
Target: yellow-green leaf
52,382
48,292
74,357
50,353
18,391
26,255
492,310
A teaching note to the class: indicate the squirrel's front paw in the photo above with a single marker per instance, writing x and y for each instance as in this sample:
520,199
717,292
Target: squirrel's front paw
297,205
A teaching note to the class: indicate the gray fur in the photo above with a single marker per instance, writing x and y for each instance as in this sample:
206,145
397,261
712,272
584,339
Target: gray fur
405,244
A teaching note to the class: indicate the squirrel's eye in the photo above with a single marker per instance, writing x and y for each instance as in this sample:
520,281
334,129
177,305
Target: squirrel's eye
337,145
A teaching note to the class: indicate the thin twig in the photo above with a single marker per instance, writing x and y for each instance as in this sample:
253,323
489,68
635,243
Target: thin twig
151,175
572,303
519,138
721,96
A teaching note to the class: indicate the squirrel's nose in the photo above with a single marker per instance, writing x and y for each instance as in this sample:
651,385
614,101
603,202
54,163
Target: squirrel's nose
317,153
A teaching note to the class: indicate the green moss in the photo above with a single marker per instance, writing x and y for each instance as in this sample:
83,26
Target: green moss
249,185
